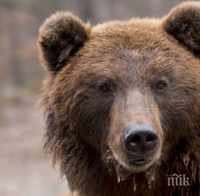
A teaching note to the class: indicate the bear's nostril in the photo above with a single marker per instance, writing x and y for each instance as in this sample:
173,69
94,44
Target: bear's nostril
135,139
151,137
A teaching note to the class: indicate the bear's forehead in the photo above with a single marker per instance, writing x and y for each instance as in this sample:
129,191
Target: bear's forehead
122,48
142,36
132,33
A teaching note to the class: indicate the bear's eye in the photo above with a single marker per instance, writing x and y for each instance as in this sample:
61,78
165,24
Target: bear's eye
104,89
161,86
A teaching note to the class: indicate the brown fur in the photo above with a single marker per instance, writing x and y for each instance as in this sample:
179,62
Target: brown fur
84,127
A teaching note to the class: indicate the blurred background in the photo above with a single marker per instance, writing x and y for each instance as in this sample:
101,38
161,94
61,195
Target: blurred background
24,167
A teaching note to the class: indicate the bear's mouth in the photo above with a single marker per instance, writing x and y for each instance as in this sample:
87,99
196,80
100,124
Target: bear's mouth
125,174
139,162
134,164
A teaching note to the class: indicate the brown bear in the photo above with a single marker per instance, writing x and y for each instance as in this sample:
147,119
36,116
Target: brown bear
122,103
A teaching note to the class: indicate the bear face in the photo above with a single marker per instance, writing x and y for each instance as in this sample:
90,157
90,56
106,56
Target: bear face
122,97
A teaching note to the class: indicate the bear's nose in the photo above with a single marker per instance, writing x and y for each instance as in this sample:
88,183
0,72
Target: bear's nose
140,138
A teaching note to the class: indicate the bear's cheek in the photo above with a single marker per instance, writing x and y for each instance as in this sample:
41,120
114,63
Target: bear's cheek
136,135
178,115
88,118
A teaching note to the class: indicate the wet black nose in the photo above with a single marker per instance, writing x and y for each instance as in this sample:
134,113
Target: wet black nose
140,138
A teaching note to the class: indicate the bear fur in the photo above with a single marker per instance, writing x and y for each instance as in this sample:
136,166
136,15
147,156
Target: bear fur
104,79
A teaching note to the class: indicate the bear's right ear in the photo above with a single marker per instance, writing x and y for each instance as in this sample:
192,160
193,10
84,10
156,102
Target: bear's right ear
59,36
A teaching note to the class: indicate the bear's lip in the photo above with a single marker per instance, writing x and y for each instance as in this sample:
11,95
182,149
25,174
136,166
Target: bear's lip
139,162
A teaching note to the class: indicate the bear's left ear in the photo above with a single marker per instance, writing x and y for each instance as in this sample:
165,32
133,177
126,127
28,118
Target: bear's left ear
60,36
183,23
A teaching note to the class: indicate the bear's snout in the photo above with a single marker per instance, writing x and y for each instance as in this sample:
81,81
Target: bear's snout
140,140
136,134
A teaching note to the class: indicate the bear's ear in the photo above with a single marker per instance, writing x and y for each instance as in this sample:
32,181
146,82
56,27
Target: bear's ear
60,36
183,23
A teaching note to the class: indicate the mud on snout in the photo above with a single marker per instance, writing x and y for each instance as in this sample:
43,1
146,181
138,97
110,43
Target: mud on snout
136,135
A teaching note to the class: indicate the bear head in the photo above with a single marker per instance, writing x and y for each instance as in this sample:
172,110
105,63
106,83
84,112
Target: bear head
122,95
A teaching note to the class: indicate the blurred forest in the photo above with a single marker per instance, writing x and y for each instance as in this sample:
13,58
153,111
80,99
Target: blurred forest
23,168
